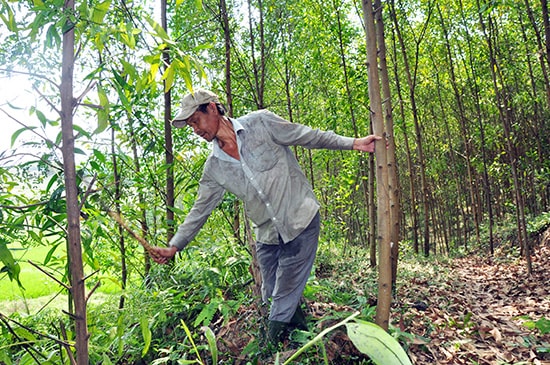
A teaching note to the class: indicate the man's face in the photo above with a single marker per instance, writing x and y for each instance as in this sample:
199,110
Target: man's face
206,124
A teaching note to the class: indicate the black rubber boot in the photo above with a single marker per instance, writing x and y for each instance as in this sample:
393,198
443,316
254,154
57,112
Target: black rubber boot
299,319
276,331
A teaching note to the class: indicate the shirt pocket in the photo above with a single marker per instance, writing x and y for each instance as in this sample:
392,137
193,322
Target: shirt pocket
261,155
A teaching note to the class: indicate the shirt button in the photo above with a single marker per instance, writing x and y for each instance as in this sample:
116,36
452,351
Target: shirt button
273,219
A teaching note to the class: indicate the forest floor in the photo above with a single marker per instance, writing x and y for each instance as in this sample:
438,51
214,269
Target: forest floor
481,311
488,312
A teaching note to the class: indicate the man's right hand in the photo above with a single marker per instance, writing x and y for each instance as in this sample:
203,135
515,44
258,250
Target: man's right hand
162,255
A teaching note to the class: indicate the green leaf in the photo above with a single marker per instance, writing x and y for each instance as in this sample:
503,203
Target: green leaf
24,333
121,327
9,21
103,113
206,314
5,357
52,37
188,333
18,132
146,332
10,266
379,345
100,10
211,338
106,360
41,117
168,77
100,156
50,254
159,31
543,325
126,33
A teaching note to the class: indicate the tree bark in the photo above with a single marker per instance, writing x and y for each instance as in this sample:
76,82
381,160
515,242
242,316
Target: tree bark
382,187
121,242
76,268
168,142
393,181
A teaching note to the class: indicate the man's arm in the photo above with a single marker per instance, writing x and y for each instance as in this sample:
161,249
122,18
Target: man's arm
286,133
209,196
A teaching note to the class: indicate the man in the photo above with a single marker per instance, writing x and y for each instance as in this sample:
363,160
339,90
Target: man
251,158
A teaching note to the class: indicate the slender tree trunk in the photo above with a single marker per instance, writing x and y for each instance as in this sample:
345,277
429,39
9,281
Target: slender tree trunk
76,268
121,243
382,187
257,68
372,211
447,135
395,205
168,142
537,125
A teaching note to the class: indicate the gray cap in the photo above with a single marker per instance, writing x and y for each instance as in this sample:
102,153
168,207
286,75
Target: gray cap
190,103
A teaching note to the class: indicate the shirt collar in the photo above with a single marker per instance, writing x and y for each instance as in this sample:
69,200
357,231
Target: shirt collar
218,152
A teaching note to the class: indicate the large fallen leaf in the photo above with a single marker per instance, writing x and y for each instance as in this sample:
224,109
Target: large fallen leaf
376,343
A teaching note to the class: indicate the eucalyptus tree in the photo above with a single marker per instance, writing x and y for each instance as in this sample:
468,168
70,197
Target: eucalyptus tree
382,178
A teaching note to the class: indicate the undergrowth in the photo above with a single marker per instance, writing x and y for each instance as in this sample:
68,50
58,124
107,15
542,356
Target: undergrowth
172,315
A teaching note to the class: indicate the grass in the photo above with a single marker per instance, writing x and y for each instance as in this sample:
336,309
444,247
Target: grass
36,284
38,289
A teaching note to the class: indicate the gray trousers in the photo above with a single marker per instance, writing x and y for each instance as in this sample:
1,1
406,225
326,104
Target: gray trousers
285,269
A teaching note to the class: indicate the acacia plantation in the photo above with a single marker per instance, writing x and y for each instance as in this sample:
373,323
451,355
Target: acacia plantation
433,249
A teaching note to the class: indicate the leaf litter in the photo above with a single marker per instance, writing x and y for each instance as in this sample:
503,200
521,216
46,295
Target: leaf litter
485,312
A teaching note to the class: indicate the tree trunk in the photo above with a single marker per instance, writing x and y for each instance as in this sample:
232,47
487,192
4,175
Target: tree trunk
168,142
76,268
393,181
372,211
382,186
121,242
257,68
